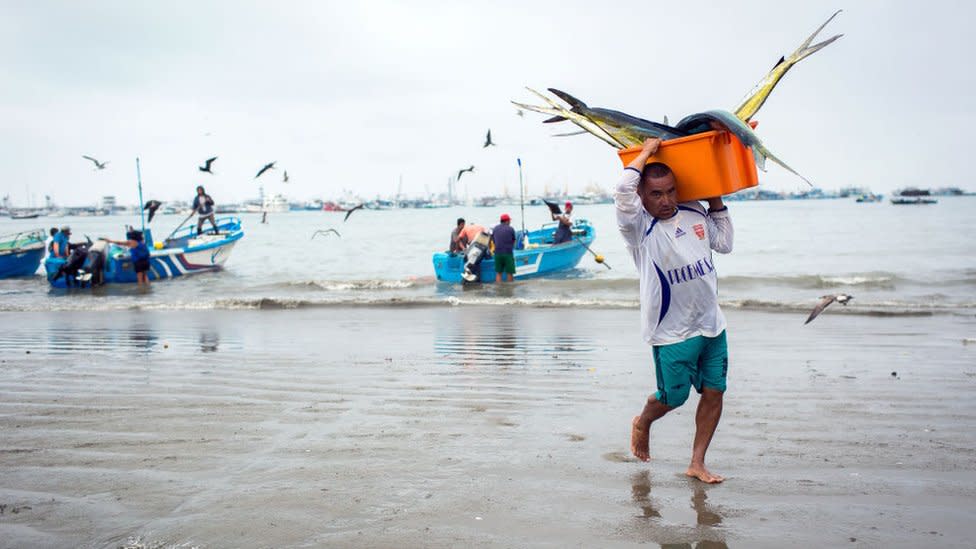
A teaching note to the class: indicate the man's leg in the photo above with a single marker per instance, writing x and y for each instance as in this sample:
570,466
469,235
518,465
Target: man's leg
640,429
713,365
199,225
672,370
706,420
213,221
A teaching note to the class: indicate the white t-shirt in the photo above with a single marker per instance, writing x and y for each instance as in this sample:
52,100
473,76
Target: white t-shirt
678,282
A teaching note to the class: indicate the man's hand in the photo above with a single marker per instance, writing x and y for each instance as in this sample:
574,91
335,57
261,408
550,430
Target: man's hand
649,147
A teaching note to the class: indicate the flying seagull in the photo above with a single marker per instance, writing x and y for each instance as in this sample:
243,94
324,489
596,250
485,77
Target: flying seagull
519,112
488,142
285,178
359,207
98,165
827,300
266,167
206,166
152,206
461,172
325,232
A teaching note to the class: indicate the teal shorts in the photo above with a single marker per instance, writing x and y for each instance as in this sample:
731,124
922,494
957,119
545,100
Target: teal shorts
697,362
505,263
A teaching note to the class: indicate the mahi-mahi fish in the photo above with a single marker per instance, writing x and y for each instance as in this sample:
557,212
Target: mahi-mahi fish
561,113
702,122
755,99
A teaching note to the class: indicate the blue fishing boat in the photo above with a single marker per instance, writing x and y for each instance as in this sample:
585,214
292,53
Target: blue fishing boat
21,253
183,253
538,257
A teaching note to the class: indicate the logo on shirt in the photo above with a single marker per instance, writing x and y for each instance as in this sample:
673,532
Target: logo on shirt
700,231
679,233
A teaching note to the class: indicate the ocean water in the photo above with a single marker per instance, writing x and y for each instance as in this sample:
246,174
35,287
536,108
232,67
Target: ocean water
895,260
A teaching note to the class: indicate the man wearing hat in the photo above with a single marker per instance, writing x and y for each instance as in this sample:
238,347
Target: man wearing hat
60,246
503,235
564,233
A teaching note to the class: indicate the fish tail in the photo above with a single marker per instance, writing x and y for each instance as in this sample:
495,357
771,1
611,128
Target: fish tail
569,99
806,43
555,119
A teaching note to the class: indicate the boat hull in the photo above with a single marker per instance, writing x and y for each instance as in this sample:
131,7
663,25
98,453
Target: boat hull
21,262
540,258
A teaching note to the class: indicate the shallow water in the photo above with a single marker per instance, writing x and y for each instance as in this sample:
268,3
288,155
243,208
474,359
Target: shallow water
473,426
893,259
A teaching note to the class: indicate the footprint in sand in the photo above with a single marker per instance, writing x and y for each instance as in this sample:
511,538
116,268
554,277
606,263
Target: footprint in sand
620,457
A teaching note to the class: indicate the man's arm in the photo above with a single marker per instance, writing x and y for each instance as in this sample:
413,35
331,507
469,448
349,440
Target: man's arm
720,232
630,210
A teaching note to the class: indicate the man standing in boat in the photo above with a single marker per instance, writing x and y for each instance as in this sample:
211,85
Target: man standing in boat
203,205
672,245
564,232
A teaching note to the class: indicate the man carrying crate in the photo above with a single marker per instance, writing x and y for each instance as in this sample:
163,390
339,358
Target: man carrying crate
672,245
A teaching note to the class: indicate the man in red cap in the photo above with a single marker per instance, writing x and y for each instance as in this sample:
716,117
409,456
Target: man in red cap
564,233
503,235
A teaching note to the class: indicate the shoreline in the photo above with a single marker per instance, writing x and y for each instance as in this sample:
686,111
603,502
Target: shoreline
489,426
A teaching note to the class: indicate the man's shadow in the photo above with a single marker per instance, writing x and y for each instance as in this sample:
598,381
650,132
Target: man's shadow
707,516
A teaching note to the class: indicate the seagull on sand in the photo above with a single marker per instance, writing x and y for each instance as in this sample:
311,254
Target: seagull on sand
461,172
827,300
266,167
152,206
325,232
206,166
488,141
98,165
359,207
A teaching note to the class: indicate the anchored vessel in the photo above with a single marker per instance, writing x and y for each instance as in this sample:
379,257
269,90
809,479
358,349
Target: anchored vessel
538,257
183,253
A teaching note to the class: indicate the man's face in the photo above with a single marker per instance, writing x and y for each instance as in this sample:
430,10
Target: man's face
461,225
659,196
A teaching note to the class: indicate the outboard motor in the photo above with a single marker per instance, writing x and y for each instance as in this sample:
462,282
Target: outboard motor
474,255
96,262
72,267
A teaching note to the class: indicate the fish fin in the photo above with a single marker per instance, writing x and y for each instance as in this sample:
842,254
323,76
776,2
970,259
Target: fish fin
759,158
555,119
569,99
540,110
581,132
780,62
575,118
783,165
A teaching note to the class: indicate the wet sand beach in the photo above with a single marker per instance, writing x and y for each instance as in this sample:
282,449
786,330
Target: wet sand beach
475,426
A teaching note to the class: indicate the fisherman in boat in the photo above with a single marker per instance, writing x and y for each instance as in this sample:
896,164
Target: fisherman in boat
203,205
458,244
60,245
49,245
138,252
564,233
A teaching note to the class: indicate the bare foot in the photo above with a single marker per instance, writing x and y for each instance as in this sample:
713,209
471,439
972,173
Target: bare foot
702,474
639,440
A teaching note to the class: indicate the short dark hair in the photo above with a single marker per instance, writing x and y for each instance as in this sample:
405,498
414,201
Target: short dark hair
200,188
460,220
54,231
656,170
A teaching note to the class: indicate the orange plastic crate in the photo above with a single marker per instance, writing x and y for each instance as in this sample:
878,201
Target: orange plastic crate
706,164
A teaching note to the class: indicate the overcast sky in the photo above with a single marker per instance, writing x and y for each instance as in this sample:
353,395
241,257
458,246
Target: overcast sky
353,95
